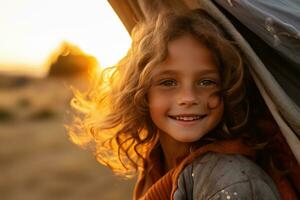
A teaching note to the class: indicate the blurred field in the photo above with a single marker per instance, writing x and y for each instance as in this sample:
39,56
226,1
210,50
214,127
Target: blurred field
37,160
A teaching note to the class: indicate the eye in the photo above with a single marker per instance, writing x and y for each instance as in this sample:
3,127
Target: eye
168,83
206,82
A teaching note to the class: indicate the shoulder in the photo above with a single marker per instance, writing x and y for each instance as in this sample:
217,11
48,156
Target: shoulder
226,176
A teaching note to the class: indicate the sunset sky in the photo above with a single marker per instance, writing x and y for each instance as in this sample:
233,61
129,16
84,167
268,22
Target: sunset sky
30,30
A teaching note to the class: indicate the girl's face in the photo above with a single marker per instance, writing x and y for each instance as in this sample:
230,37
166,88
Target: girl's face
183,99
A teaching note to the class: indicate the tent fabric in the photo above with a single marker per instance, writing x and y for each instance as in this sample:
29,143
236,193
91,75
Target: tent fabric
283,108
276,21
279,92
127,12
277,24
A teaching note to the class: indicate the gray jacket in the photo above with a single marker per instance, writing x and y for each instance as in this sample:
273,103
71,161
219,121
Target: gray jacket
223,176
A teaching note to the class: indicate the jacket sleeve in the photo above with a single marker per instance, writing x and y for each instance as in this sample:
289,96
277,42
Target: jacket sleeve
217,176
251,189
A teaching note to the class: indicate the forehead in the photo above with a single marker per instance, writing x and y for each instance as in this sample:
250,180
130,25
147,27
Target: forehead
186,42
187,55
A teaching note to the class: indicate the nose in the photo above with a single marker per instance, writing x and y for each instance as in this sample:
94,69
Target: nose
187,97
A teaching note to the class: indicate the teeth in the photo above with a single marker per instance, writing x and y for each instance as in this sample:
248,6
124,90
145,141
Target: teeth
184,118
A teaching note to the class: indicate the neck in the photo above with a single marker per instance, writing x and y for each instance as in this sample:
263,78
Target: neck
173,150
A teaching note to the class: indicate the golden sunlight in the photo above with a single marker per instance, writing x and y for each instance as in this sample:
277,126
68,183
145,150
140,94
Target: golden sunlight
31,30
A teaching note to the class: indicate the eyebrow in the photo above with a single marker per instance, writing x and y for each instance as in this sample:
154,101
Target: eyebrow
175,72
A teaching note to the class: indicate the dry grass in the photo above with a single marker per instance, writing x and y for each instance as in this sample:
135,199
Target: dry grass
37,160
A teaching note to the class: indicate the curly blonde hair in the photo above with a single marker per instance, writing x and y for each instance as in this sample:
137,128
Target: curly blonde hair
113,115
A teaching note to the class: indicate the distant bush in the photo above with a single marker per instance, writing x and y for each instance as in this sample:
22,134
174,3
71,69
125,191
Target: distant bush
13,81
43,114
23,103
71,60
6,115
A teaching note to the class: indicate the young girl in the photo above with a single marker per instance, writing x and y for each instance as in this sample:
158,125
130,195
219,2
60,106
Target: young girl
175,110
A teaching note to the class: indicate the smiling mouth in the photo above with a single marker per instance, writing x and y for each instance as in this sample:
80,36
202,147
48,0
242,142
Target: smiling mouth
187,118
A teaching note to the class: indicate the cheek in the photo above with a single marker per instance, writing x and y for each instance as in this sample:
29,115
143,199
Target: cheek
214,101
157,102
158,105
157,111
158,98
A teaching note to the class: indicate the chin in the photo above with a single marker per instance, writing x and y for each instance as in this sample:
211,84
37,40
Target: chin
188,140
